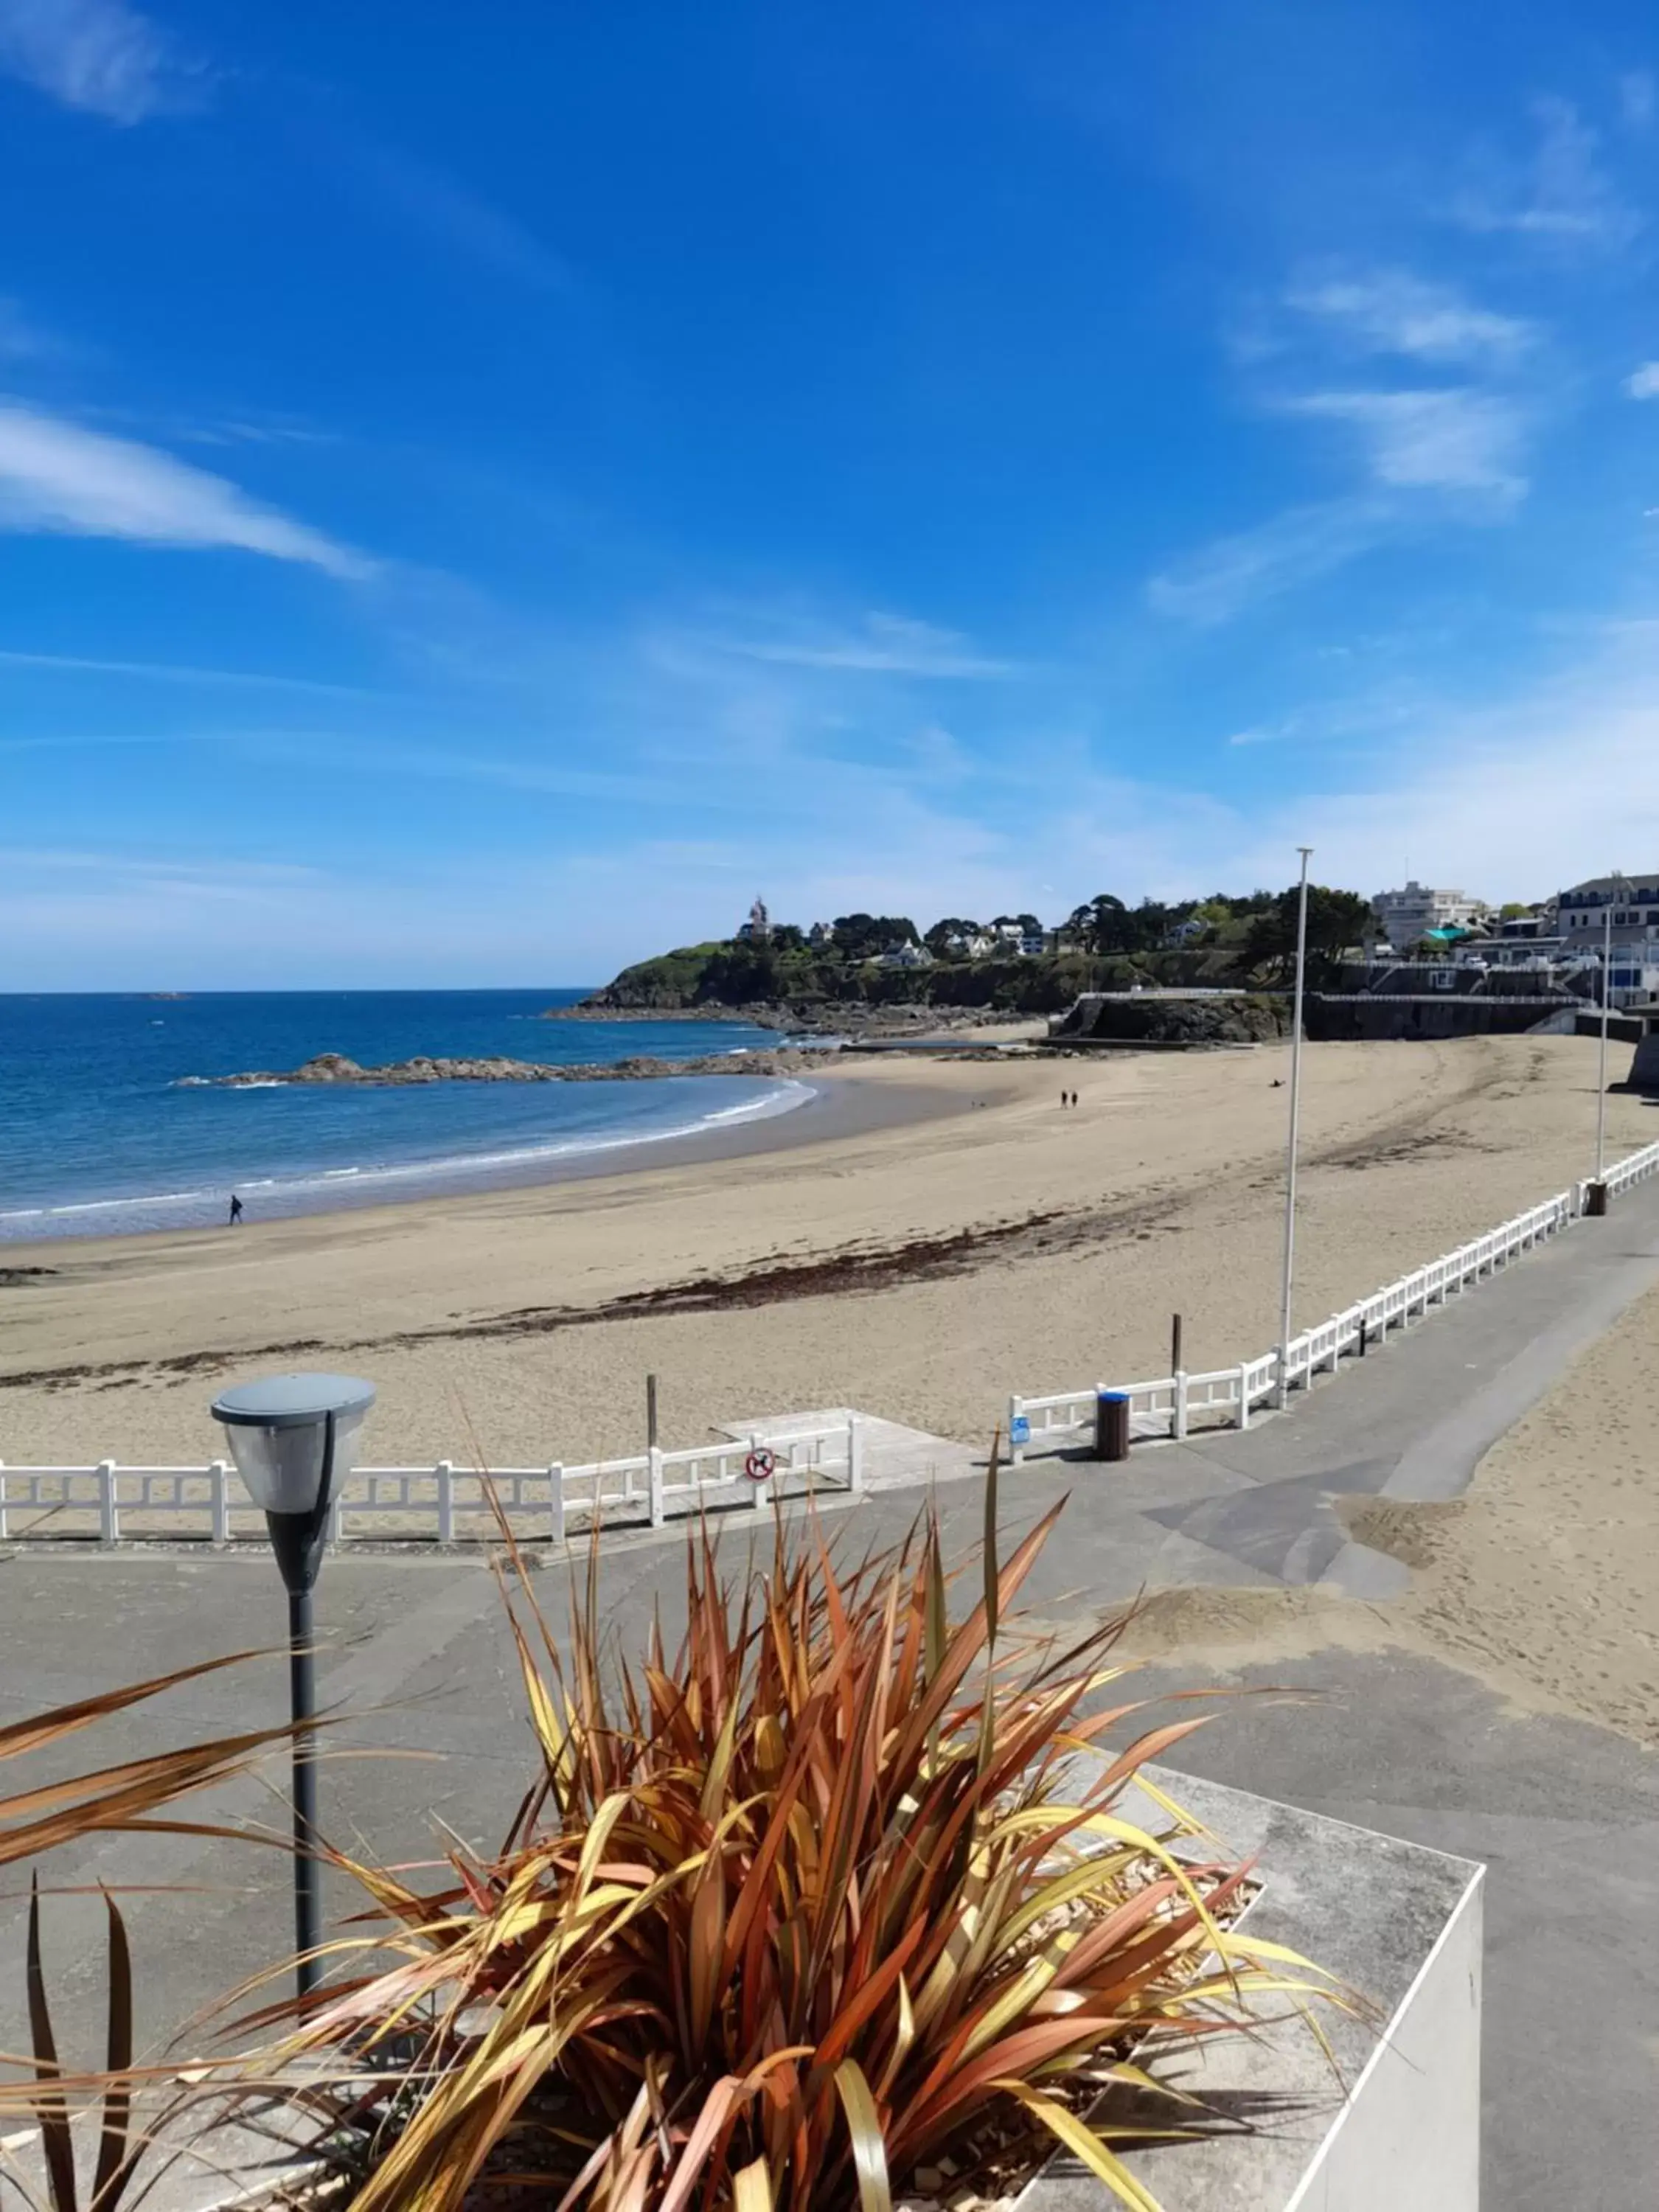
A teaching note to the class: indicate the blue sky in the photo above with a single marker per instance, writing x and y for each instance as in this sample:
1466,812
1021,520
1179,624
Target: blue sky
484,491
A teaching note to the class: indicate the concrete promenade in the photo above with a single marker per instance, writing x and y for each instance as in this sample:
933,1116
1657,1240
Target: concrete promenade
1567,1814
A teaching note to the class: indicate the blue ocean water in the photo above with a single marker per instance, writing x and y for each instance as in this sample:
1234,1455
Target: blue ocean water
102,1135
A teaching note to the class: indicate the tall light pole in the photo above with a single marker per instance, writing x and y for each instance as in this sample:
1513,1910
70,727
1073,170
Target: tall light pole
293,1438
1616,882
1306,852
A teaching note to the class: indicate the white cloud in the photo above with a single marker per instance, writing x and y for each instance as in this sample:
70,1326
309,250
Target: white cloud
458,217
1391,311
1447,440
55,477
887,644
1295,548
101,56
1562,196
1644,383
169,671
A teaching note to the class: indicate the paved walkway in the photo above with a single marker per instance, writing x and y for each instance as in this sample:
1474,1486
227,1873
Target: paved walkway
1410,1421
1567,1815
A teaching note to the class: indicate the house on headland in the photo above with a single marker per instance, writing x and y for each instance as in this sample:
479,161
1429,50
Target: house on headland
757,930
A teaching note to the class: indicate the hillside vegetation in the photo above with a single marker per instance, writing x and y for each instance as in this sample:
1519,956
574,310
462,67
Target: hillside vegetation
1107,947
730,974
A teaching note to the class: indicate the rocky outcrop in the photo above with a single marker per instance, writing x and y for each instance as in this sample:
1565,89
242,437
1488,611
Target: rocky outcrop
1147,1018
334,1067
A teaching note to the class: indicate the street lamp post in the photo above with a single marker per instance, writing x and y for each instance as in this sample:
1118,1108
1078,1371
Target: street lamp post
1602,1058
1306,851
293,1439
1595,1194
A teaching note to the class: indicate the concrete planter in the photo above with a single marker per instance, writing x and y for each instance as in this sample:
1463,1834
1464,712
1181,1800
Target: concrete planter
1402,1926
1397,1924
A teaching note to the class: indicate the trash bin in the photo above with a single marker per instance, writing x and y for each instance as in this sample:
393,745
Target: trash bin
1596,1200
1112,1425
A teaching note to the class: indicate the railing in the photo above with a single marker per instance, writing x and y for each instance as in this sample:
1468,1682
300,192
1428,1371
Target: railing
1174,1405
445,1502
453,1502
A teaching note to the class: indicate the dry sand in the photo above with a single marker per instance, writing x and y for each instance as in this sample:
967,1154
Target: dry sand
920,1271
1542,1582
1545,1577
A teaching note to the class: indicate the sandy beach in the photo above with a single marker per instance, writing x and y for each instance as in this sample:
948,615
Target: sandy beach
1545,1577
919,1261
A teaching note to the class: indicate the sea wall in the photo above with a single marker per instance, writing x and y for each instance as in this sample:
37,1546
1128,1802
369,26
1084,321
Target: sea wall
1329,1017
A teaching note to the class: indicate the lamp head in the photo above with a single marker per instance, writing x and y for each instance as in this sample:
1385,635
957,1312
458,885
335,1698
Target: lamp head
293,1438
278,1434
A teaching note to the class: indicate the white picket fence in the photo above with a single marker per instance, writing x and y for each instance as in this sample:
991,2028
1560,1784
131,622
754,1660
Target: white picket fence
1174,1405
448,1502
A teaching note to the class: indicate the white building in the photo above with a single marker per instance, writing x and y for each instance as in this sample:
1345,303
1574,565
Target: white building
905,956
1633,902
1413,912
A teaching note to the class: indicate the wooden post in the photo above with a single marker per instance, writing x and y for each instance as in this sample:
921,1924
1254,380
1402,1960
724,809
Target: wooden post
445,1502
651,1413
217,1475
556,1501
1176,1361
653,1482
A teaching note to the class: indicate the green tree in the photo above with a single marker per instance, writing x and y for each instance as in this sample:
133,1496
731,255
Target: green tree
953,925
1336,919
861,936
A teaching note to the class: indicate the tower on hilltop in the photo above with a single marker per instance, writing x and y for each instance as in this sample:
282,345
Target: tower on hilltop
757,930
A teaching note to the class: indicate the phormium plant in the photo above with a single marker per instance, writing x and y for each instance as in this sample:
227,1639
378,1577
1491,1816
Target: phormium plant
835,1889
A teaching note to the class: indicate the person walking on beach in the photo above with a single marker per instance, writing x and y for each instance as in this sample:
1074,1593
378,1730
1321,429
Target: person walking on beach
235,1210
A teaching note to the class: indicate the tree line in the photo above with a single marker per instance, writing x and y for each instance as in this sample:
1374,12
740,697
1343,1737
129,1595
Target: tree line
1260,926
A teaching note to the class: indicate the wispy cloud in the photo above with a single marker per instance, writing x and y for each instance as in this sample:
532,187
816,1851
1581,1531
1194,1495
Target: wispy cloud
1639,98
1455,440
457,217
1644,383
167,672
1561,197
1291,549
886,645
1390,311
21,337
57,477
99,56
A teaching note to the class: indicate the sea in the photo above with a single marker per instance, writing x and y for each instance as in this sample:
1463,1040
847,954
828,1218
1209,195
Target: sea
109,1123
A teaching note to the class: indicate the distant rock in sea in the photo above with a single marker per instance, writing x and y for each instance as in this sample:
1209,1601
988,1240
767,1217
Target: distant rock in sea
335,1068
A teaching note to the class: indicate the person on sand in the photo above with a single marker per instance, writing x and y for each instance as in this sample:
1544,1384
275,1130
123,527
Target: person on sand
235,1209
